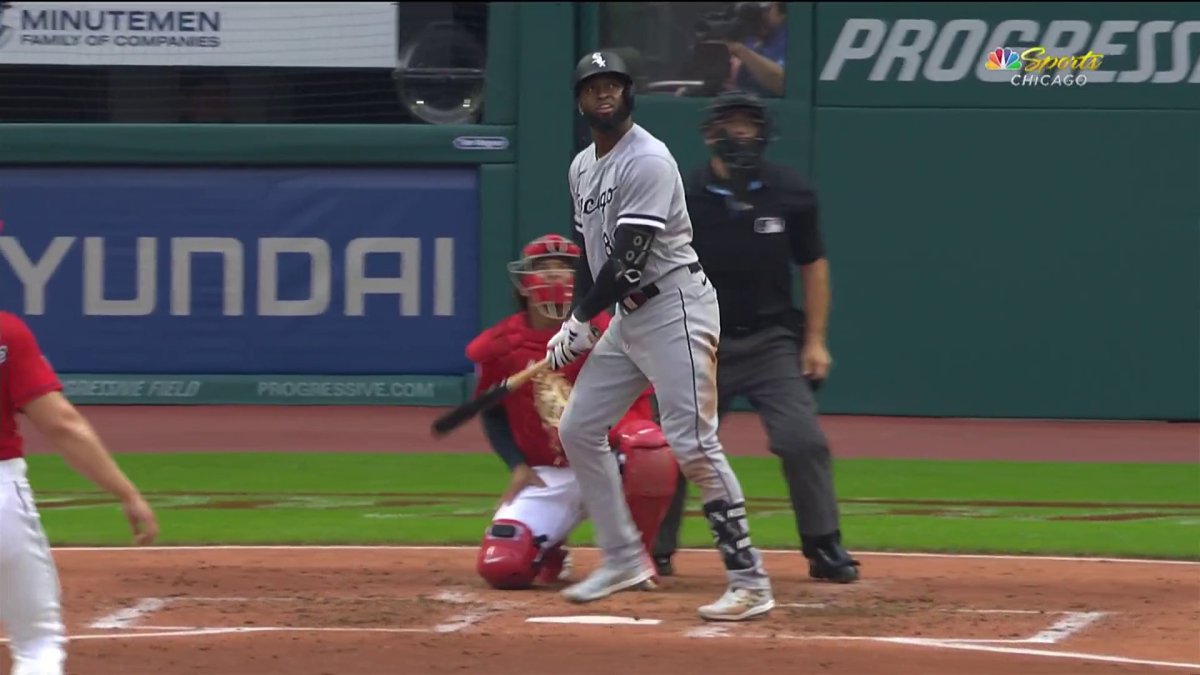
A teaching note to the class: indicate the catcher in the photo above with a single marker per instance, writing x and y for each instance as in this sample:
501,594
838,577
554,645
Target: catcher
542,503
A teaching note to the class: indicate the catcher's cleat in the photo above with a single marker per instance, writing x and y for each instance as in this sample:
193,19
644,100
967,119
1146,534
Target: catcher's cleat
663,565
556,566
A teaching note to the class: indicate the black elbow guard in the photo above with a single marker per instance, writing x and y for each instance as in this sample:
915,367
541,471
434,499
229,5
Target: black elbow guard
622,272
631,249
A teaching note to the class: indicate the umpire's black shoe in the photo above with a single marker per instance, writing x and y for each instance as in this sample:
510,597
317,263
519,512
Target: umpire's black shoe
662,563
828,568
831,562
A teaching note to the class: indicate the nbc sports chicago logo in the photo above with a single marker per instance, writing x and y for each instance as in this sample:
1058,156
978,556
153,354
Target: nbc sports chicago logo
1033,68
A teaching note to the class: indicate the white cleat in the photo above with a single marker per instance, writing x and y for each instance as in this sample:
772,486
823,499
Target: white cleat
607,580
739,604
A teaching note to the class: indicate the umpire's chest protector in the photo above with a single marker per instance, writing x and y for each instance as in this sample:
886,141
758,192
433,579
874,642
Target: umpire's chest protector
739,233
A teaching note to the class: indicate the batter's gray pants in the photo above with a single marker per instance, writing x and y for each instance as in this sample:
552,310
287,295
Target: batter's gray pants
669,342
765,368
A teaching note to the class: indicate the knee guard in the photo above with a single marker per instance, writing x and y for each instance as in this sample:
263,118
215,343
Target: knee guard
731,533
648,472
509,558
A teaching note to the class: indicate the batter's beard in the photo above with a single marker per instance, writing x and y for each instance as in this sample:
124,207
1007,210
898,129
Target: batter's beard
610,123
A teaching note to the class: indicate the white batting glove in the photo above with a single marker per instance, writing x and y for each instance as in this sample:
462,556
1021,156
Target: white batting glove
573,339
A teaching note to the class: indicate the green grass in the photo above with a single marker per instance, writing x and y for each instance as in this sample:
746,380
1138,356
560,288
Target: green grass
316,498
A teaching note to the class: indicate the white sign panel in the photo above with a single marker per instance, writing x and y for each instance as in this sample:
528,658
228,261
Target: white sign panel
271,34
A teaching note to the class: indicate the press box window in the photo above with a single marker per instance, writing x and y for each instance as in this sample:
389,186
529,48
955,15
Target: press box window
430,70
691,48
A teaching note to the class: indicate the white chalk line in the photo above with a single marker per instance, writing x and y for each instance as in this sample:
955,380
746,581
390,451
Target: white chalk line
458,622
936,643
1072,623
1000,611
713,631
466,619
125,618
594,620
1065,627
1025,651
387,547
128,616
199,632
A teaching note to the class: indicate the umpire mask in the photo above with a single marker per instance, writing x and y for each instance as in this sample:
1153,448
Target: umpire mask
742,156
740,150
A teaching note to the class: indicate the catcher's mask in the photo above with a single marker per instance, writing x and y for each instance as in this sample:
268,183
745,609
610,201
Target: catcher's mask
545,275
742,153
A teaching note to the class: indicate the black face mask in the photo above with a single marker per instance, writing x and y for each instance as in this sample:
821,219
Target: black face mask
743,158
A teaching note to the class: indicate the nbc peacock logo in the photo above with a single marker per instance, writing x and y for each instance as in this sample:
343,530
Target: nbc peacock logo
1003,59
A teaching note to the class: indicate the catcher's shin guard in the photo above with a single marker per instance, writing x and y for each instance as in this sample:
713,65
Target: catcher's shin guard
649,474
510,556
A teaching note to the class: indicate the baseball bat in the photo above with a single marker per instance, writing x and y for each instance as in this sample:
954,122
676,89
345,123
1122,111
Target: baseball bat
494,394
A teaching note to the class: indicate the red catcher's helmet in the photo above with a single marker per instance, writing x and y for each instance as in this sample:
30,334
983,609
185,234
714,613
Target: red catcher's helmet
548,288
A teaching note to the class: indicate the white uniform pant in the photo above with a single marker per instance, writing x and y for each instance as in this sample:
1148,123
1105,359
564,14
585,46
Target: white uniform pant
552,511
30,610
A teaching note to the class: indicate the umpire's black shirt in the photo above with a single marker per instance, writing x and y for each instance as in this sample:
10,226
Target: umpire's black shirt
746,244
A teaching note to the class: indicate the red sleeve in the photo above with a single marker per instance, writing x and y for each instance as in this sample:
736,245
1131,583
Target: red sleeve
488,374
488,351
27,373
487,345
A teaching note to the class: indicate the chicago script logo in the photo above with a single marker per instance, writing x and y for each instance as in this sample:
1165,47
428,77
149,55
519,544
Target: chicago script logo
605,198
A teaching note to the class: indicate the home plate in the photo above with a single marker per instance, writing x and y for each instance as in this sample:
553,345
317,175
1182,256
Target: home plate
595,620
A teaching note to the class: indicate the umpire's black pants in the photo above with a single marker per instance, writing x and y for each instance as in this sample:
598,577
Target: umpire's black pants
765,368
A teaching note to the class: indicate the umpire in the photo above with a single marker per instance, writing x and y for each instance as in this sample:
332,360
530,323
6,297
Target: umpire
751,219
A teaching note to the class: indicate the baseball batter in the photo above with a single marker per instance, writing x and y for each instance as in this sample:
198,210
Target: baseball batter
542,505
631,215
30,606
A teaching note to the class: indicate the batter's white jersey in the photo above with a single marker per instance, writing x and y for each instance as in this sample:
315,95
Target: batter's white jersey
638,183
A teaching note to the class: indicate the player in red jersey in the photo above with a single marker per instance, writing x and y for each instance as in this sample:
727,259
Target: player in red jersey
30,606
542,503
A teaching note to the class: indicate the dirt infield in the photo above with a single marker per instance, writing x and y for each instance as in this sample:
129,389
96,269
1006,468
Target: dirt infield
377,611
390,610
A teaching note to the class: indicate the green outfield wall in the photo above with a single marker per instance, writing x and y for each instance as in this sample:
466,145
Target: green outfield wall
999,249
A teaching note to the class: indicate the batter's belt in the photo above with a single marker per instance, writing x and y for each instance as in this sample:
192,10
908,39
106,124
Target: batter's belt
648,292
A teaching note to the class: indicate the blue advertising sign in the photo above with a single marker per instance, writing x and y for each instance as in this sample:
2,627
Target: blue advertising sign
258,271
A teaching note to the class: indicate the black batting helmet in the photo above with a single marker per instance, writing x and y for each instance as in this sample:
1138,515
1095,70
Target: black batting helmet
601,63
729,101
